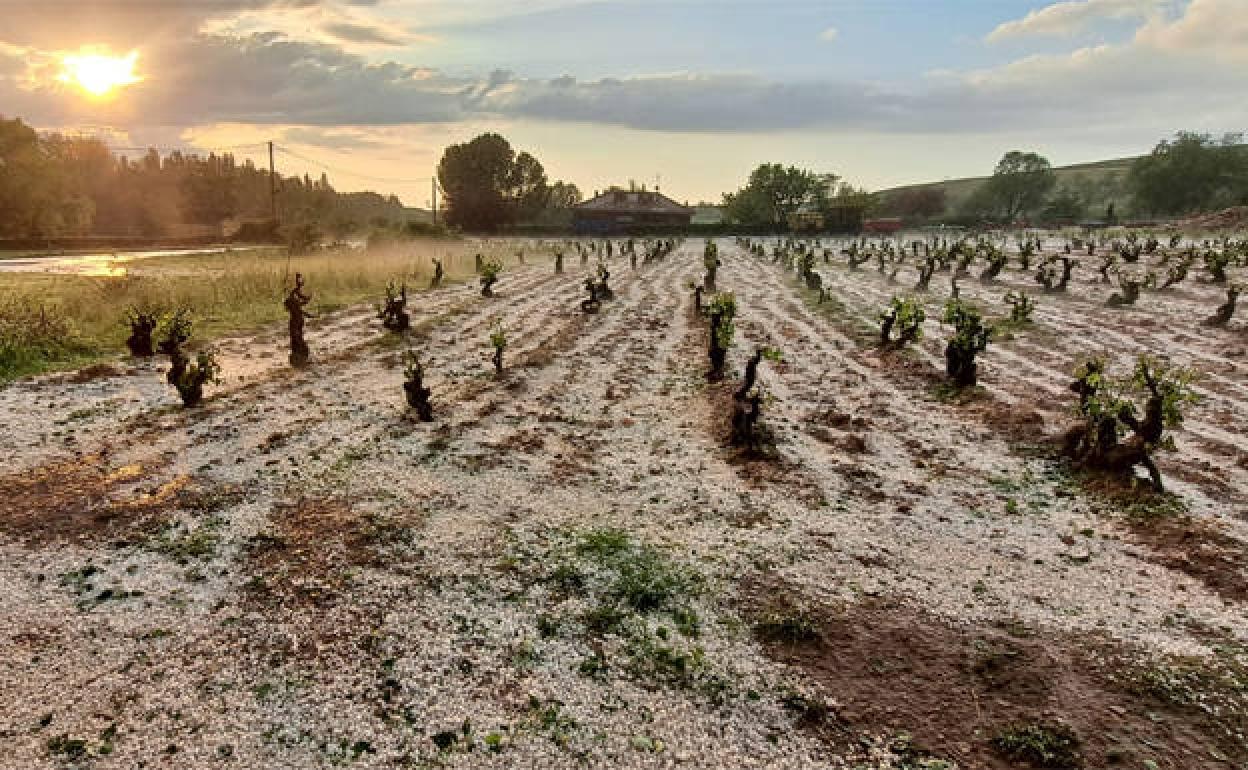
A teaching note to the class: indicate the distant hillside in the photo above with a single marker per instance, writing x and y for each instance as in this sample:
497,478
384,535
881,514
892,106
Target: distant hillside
1098,184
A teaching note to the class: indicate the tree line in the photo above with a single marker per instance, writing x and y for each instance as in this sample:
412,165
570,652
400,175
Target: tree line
55,186
1187,174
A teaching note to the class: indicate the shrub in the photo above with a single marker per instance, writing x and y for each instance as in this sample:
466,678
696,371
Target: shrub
393,313
997,260
710,260
1130,286
1021,307
970,337
925,273
1109,409
173,332
721,310
1049,276
489,270
906,316
142,322
414,387
498,339
747,405
1222,316
190,384
295,304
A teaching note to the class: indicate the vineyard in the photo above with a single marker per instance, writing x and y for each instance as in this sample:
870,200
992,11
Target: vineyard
924,502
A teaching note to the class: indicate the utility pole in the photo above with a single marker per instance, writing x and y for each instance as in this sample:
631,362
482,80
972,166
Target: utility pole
434,183
272,185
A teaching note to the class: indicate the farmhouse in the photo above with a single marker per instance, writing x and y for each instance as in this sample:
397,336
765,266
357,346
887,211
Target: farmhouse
622,211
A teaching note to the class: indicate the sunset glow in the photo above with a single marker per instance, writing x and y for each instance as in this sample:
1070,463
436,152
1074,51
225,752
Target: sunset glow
98,74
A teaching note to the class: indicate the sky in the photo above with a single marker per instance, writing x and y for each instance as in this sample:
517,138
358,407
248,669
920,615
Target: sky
687,94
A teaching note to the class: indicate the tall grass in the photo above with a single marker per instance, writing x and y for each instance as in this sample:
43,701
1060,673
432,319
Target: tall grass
52,321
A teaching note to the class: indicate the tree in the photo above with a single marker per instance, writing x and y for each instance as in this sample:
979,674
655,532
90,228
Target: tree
564,195
488,186
1064,207
53,185
1193,172
1019,184
773,194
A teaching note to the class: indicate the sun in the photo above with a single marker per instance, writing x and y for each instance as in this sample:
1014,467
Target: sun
98,74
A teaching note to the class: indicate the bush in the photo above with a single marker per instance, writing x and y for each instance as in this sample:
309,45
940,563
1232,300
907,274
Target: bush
498,339
1021,307
1110,410
190,384
906,316
414,387
142,322
721,310
970,338
488,270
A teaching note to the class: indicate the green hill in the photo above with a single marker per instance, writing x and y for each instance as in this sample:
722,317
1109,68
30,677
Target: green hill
1098,184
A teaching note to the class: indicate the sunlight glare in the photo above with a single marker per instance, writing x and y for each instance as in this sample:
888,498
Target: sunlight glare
98,74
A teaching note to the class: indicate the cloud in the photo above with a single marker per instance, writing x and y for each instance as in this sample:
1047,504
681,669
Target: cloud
1070,17
366,34
830,34
266,79
130,23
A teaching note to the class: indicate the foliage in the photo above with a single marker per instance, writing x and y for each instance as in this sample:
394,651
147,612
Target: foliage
1018,185
905,315
773,194
724,306
487,185
204,370
174,330
1021,307
498,340
393,314
1039,745
33,334
1109,408
970,337
55,185
1065,206
489,270
142,322
1189,173
414,386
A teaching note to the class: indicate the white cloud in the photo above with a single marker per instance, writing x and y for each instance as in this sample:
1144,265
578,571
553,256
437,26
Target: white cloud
1070,17
830,34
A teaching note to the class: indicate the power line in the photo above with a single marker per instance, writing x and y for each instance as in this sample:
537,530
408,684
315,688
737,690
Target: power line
347,173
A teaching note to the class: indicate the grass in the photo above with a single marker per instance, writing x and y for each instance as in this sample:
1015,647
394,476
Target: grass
1039,744
52,322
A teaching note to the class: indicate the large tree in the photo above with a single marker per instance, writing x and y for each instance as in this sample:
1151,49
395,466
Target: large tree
488,186
773,194
1019,184
1193,172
